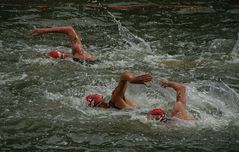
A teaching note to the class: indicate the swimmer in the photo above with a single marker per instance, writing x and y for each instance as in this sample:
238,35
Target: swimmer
78,52
178,109
118,99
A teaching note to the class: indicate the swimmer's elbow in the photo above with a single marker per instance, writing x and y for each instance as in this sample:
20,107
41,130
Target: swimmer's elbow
68,30
126,76
69,27
179,87
182,88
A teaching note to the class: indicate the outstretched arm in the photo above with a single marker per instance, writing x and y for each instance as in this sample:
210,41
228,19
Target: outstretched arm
178,87
77,49
130,77
141,79
69,30
118,95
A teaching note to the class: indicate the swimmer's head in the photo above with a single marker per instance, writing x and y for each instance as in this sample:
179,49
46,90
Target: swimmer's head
57,54
94,100
157,114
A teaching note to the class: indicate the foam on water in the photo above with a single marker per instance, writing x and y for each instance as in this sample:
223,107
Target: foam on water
133,40
6,78
235,51
40,61
213,104
43,100
154,59
215,108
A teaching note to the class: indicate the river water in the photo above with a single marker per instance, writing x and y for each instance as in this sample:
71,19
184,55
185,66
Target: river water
42,105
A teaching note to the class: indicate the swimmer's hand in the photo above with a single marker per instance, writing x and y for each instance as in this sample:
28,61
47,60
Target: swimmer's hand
37,32
163,83
141,79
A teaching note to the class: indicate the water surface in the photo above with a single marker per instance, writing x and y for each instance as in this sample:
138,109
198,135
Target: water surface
42,100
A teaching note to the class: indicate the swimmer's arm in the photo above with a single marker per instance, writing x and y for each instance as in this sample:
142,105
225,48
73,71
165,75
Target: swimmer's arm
170,84
69,30
127,76
178,87
141,79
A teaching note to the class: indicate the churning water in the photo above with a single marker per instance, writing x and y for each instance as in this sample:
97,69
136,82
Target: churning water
42,101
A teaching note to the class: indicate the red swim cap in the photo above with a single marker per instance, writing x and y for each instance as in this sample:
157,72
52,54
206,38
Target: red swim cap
94,99
57,54
158,114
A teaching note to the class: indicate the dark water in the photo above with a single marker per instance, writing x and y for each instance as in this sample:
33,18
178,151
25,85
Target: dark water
42,105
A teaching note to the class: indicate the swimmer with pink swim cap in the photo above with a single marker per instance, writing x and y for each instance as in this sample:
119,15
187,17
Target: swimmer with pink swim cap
118,99
157,114
178,109
58,54
78,52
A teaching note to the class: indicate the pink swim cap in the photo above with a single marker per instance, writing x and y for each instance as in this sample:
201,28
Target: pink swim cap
158,114
94,99
57,54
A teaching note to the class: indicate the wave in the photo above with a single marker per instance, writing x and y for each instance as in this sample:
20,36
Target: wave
131,39
214,104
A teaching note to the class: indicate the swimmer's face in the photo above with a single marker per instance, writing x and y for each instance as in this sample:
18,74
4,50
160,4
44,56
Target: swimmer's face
155,117
103,103
94,100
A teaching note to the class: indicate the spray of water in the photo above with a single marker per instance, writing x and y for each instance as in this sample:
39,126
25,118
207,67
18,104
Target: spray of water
235,51
133,40
214,104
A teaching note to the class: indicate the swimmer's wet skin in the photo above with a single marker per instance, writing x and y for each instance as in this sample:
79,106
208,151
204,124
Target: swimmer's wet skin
97,100
77,48
178,109
118,99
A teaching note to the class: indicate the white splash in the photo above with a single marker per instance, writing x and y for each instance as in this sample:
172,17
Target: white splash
235,51
133,40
